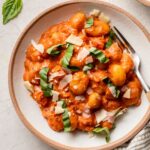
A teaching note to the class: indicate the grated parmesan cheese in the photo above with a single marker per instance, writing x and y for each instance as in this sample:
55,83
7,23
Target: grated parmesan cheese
100,115
74,40
83,54
28,86
104,18
95,12
38,47
55,96
127,94
56,74
80,98
65,81
59,110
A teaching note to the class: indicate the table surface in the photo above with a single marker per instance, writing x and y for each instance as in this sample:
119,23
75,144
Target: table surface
13,134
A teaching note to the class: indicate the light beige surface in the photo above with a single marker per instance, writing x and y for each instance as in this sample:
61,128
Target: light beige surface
13,133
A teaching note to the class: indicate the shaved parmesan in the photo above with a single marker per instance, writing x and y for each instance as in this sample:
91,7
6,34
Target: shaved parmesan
95,12
65,81
89,91
55,96
121,112
56,74
69,113
100,115
103,115
78,111
60,103
127,94
87,110
59,110
89,60
74,40
80,98
38,47
86,115
28,86
82,54
104,18
110,119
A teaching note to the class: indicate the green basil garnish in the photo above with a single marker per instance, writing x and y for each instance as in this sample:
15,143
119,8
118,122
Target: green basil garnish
11,8
64,105
89,23
88,67
99,55
43,73
104,130
45,86
110,39
114,90
67,57
66,121
66,118
54,50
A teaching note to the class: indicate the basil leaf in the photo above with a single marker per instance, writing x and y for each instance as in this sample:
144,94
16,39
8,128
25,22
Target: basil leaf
88,67
89,23
43,73
45,86
110,40
66,121
11,8
99,55
104,130
64,105
111,34
114,90
109,43
48,91
67,57
54,50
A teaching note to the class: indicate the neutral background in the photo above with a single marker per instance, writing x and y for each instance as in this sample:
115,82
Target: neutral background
13,134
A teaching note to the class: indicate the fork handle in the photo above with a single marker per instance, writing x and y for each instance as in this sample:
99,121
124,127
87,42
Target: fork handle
146,88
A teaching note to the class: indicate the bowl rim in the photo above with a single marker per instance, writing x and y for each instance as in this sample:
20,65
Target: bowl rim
47,140
145,2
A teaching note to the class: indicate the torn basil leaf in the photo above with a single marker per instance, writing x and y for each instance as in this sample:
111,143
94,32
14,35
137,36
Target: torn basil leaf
110,39
113,89
100,130
45,86
64,105
99,55
48,91
43,73
11,9
66,121
88,67
89,23
54,50
67,57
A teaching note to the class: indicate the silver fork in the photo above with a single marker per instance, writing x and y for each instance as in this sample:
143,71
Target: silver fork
124,43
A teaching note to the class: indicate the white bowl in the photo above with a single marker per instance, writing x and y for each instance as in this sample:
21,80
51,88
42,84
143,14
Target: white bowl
29,112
